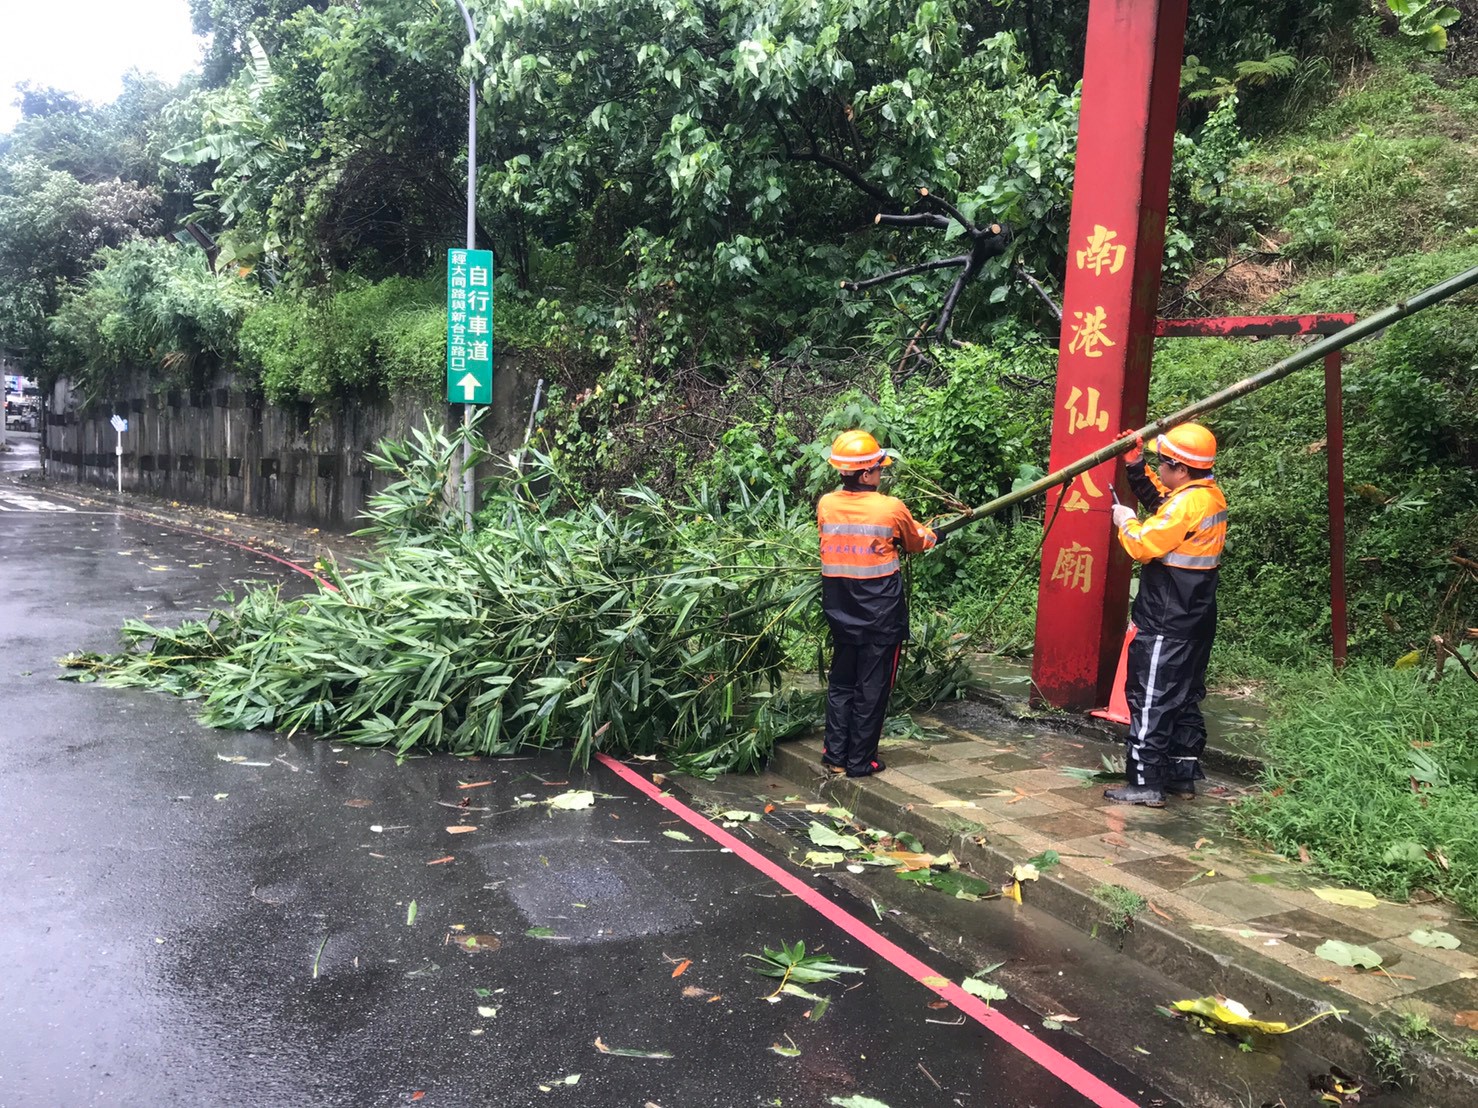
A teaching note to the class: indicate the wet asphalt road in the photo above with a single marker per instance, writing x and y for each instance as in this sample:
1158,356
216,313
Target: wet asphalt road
198,917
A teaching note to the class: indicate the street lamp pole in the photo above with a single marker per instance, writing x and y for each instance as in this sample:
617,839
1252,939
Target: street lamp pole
468,482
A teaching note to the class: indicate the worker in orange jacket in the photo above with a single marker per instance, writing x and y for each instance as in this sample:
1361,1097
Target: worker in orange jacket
1179,549
863,534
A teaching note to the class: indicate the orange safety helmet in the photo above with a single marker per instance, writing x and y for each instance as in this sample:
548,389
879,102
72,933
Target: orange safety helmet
854,450
1189,444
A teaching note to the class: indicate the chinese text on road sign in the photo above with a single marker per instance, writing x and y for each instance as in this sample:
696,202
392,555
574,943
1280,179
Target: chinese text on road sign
469,326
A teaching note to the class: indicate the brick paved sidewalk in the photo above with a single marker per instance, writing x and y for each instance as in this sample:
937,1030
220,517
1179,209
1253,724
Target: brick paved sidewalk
974,773
1184,860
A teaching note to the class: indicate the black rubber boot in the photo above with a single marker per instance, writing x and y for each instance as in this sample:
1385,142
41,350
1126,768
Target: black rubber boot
1151,796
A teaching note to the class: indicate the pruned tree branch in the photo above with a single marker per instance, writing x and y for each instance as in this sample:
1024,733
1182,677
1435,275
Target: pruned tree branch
906,271
1052,305
826,161
985,243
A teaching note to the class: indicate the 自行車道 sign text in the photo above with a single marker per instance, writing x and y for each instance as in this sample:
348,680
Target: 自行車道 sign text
469,326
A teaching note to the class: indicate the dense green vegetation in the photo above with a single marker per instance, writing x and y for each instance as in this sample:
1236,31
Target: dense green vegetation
675,188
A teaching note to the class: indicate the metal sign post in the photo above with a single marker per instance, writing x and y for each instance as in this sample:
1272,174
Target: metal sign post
470,395
120,425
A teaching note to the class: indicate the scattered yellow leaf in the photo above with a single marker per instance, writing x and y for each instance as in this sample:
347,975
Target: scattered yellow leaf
461,828
934,981
1350,898
1229,1014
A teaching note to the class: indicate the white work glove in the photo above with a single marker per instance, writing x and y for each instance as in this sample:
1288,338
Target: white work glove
1121,515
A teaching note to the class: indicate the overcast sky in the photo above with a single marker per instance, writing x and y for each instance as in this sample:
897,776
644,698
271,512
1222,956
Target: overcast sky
85,46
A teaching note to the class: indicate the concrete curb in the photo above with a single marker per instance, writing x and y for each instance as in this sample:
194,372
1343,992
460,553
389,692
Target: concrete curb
1211,963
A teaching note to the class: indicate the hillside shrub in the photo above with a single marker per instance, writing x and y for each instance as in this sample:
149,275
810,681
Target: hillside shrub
151,305
1376,774
361,338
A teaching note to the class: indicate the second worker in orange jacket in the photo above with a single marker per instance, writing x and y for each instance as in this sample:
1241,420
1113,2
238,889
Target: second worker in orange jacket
1179,550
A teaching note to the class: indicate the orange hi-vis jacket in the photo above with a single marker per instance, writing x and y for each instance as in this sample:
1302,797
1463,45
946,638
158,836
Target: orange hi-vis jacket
1187,531
1180,548
862,537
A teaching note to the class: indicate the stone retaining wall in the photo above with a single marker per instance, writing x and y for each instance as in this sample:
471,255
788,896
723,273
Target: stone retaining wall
226,448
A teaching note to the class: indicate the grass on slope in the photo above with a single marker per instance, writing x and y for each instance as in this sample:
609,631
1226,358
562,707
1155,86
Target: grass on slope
1376,773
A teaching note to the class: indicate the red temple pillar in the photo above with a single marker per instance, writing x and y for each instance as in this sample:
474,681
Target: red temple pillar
1126,134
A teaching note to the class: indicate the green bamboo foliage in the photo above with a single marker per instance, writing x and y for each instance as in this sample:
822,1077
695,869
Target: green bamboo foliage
662,628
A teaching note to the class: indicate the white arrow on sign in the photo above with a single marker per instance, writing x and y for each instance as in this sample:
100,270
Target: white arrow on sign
469,385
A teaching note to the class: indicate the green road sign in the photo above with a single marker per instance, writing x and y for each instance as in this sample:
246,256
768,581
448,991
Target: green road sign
469,326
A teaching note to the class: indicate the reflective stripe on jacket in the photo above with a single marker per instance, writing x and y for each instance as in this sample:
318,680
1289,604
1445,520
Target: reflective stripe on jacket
1187,531
863,535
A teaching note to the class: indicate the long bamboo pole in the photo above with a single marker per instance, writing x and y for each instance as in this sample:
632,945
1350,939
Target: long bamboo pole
1309,355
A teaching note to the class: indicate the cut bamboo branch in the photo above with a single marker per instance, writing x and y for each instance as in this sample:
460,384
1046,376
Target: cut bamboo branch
1309,355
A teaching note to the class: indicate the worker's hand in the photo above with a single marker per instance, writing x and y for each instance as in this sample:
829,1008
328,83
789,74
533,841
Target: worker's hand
1121,514
1136,453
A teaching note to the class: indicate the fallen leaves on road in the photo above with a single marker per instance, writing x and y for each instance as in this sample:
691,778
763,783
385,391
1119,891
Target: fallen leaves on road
680,836
358,802
985,990
479,944
410,914
1440,940
627,1052
822,835
961,886
572,801
1350,898
682,967
791,1051
817,858
1220,1013
461,828
442,861
1467,1018
473,784
1347,954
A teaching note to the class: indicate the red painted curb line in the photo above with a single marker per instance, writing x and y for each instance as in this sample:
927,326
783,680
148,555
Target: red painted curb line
1020,1039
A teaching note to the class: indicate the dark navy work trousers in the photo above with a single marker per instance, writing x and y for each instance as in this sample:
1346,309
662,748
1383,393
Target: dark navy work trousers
857,691
1164,686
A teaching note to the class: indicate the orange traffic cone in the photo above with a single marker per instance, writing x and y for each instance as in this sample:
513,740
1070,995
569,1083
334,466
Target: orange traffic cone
1118,709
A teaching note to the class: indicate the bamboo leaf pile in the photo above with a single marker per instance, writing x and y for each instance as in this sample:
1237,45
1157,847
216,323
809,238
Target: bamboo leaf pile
662,627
